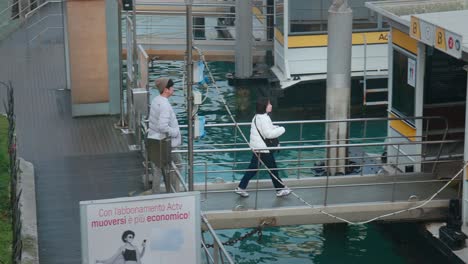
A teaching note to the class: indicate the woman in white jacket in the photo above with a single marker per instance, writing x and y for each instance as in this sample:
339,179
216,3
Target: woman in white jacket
262,123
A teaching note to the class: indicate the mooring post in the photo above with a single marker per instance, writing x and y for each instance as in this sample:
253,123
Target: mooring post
340,21
244,40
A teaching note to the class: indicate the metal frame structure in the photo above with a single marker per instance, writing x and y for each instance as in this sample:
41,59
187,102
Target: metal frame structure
301,57
443,17
303,165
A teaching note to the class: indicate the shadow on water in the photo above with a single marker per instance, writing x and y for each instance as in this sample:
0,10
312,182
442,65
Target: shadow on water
409,243
335,243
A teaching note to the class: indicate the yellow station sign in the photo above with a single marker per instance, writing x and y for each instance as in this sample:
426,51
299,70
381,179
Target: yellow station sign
438,37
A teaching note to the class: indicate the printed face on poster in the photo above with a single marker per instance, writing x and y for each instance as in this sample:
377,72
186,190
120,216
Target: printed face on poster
142,230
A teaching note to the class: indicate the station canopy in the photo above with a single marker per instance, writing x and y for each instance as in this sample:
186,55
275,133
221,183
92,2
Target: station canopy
436,20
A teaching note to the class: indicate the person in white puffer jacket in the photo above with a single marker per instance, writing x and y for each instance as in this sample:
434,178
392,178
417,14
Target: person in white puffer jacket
261,123
162,119
163,124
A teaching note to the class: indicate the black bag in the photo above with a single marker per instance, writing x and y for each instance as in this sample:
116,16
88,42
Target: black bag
269,142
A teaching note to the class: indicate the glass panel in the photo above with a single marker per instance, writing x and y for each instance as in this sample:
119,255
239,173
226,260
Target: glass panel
363,18
308,16
403,87
445,79
279,16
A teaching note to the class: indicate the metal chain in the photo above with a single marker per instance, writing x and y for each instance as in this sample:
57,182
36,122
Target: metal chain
258,230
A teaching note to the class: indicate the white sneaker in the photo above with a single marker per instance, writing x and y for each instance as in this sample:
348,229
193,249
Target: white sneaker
241,192
283,192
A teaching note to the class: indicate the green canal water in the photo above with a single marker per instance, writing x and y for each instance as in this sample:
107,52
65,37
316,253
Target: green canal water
372,243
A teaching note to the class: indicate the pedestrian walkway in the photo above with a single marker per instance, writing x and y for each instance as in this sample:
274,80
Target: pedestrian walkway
75,158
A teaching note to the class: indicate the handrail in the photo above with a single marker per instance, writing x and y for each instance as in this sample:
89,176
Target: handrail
216,241
221,33
323,167
186,189
303,160
25,9
371,119
9,7
320,146
40,6
19,12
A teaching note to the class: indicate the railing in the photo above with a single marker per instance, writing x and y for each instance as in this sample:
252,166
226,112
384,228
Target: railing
304,157
214,253
16,10
10,15
304,140
160,23
384,176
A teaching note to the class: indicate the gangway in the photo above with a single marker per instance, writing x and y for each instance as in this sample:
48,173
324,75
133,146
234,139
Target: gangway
375,188
353,201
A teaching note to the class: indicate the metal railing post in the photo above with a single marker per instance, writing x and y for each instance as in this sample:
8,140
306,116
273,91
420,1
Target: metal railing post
189,32
146,181
121,86
363,163
364,99
426,138
258,175
207,254
395,173
299,155
326,189
206,180
235,155
441,146
218,247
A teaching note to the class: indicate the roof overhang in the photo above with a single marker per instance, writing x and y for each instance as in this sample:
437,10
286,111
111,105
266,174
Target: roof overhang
439,23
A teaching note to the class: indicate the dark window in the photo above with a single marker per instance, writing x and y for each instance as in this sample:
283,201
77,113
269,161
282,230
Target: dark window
307,16
279,19
445,79
363,17
311,17
402,91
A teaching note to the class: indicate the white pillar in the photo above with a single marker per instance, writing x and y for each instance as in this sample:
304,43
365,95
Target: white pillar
340,21
244,42
464,179
419,102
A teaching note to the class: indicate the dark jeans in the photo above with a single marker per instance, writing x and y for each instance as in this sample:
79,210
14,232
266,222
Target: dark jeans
270,162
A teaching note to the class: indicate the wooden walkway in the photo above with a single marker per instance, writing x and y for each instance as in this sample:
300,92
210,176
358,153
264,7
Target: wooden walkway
75,158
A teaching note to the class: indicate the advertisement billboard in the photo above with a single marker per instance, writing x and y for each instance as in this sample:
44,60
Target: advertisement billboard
145,229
